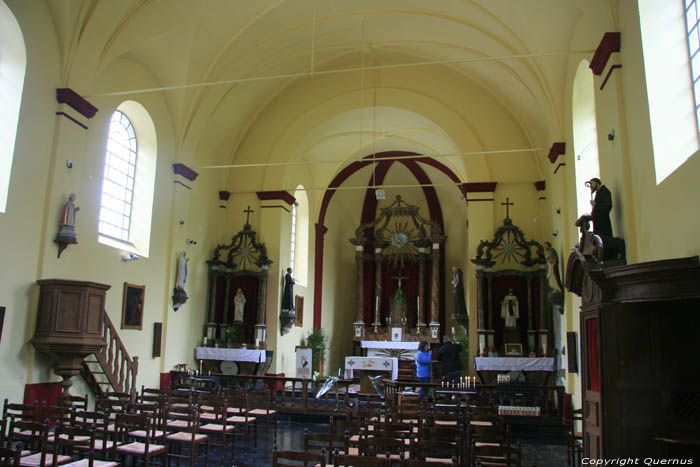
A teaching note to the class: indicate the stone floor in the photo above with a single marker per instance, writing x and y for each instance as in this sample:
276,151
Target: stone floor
541,447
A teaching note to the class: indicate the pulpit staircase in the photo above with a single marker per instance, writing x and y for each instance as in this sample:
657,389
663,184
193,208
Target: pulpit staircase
111,369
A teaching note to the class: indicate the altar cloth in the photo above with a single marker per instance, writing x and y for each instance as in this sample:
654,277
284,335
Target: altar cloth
514,364
372,364
233,355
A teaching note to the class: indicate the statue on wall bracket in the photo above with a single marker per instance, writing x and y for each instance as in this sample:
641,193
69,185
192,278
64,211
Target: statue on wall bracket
287,316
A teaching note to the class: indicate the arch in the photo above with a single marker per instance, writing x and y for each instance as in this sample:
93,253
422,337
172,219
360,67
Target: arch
143,184
370,206
301,237
585,135
13,67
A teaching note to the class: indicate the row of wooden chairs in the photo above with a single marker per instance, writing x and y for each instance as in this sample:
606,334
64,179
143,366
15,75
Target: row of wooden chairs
337,459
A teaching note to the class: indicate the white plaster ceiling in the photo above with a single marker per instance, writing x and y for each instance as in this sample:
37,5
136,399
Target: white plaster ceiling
518,52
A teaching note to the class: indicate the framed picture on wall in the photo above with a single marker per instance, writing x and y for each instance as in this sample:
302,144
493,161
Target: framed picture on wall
132,306
514,350
299,310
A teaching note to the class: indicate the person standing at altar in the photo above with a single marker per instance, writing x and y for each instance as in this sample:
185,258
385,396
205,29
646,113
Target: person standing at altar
449,356
423,362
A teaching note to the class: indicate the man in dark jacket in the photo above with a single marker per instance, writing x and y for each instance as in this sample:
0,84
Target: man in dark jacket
449,356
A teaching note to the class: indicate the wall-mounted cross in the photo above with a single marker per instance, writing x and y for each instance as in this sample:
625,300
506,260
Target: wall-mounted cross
247,217
507,204
399,278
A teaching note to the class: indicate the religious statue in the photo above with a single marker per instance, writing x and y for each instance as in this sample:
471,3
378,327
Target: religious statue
555,294
287,316
460,313
510,309
66,231
179,294
239,305
602,205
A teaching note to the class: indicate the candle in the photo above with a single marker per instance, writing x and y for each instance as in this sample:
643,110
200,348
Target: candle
377,303
453,330
257,343
418,303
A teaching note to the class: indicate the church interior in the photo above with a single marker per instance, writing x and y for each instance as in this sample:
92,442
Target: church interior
181,181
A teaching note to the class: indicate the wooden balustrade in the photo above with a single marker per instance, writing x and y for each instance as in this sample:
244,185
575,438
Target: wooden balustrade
119,368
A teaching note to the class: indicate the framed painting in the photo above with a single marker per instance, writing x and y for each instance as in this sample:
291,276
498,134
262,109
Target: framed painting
396,334
514,350
299,310
132,306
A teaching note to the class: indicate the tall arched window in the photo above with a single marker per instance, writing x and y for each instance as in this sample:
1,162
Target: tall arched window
13,65
585,135
128,180
300,236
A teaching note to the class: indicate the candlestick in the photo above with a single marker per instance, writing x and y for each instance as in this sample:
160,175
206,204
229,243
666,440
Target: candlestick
200,367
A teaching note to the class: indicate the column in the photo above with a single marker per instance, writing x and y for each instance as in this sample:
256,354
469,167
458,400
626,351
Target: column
435,293
421,292
480,323
531,332
261,326
359,323
377,287
318,274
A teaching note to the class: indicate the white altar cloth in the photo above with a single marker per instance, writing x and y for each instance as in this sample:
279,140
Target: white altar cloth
514,364
389,345
234,355
373,364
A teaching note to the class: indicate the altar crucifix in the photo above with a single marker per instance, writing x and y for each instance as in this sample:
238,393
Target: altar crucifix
397,316
507,204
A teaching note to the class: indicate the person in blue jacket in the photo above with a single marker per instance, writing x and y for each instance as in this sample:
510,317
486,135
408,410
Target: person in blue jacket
423,366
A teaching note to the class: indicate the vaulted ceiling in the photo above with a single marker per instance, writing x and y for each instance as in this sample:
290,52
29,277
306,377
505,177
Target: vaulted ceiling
364,75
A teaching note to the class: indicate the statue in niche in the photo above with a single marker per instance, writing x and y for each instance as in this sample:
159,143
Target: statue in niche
179,293
287,315
510,310
239,305
555,294
460,313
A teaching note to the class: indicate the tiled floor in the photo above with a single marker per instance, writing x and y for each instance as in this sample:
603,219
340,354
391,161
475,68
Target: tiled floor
543,447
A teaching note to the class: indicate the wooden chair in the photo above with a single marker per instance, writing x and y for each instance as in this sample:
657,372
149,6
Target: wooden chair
354,428
125,444
55,416
218,427
33,437
379,446
308,458
70,440
574,438
424,463
154,414
260,405
77,402
9,457
188,436
243,421
98,422
350,460
326,442
435,450
10,411
496,455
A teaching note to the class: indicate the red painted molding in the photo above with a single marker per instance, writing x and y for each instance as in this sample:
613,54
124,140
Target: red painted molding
479,199
72,99
479,187
540,185
607,77
608,45
276,195
183,170
560,164
555,151
74,120
318,273
224,195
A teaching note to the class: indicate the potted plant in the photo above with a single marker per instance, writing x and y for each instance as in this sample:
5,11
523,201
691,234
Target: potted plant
229,335
318,341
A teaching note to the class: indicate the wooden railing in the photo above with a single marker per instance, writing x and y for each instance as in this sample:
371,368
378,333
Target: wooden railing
118,367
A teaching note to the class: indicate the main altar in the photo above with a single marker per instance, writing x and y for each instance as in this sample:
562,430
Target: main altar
398,257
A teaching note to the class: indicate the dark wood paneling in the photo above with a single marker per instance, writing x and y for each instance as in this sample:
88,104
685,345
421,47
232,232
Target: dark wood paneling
157,338
68,315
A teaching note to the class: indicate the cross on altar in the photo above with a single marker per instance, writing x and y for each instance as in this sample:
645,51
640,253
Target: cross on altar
247,217
399,278
507,204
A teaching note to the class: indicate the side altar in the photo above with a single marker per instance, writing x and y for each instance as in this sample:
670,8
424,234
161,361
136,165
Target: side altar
399,258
